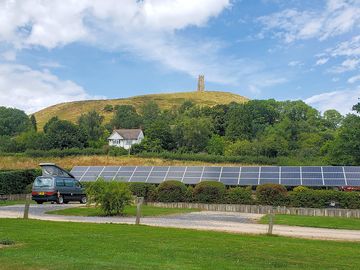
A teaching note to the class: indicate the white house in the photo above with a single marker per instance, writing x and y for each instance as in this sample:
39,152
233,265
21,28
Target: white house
125,137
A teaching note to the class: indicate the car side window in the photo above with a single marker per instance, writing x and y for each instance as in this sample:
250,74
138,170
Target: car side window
69,182
78,184
60,183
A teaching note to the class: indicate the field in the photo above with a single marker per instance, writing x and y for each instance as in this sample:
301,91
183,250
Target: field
128,211
59,245
13,162
320,222
72,110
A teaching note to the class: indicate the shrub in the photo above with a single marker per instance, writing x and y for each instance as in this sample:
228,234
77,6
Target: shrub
145,190
116,195
189,196
112,196
209,192
16,181
300,189
239,195
171,191
271,194
118,151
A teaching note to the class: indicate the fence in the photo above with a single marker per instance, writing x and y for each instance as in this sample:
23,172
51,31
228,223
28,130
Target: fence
260,209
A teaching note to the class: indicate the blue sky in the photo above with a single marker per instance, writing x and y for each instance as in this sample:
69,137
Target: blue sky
64,50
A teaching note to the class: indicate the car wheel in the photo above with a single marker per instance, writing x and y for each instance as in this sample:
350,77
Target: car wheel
39,202
83,200
60,200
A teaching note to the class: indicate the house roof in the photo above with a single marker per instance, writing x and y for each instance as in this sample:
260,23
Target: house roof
129,134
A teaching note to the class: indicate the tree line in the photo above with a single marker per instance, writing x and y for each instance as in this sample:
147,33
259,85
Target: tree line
290,130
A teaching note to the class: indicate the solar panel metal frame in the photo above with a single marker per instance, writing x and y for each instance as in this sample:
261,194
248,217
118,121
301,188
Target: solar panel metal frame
244,175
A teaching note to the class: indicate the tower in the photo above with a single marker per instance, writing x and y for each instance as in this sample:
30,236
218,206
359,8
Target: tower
201,83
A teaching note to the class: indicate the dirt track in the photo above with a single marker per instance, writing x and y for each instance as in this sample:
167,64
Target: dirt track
205,220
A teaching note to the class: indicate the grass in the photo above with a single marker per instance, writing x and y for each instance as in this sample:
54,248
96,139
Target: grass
7,202
319,222
72,110
14,163
90,211
66,246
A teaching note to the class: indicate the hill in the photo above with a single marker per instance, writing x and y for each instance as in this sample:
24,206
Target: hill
72,110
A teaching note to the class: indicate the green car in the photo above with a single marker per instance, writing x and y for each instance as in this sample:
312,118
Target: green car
57,185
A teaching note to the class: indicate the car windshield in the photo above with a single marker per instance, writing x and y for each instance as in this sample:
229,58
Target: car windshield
43,182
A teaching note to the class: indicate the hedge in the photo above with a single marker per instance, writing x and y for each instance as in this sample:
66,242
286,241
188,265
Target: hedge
271,194
16,181
239,195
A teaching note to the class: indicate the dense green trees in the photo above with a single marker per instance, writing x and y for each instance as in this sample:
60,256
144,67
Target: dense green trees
287,132
91,122
13,121
125,117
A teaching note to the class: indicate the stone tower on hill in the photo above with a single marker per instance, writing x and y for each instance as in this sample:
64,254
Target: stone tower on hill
201,83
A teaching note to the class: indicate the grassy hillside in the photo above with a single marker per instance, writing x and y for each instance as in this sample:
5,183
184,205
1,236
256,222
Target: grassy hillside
72,110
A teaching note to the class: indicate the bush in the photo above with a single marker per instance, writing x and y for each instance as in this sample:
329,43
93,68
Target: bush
65,152
209,192
189,196
145,190
118,151
112,196
16,181
239,195
322,198
171,191
271,194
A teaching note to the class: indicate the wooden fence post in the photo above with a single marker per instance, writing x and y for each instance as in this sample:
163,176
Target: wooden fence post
27,206
271,221
139,202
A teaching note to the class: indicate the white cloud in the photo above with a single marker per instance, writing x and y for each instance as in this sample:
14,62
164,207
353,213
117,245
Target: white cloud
354,79
341,101
9,55
338,17
295,63
50,64
322,61
346,65
32,90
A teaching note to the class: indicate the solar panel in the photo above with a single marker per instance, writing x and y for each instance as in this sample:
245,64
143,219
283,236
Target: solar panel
246,175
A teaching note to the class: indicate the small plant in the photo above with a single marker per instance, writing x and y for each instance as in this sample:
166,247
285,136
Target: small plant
239,195
7,242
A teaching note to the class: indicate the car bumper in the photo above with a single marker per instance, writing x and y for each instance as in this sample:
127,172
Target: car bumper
45,198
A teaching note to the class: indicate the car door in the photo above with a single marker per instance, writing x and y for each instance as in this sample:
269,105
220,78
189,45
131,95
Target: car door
69,190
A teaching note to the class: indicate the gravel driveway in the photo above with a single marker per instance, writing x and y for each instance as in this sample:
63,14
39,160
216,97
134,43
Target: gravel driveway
205,220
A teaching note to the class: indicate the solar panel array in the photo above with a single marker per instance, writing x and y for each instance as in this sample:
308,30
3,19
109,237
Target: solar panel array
243,176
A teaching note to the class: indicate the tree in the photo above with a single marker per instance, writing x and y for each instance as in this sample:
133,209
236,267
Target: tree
150,113
160,130
13,121
216,145
50,122
192,134
32,140
33,122
345,149
333,118
126,117
91,123
63,134
356,107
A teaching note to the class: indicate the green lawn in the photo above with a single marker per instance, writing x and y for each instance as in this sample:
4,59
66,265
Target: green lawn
61,245
129,211
320,222
7,202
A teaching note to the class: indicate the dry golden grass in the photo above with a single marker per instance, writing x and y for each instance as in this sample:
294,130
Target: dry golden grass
9,163
72,110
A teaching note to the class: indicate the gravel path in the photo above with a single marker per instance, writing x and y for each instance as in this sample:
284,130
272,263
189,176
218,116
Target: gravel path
205,220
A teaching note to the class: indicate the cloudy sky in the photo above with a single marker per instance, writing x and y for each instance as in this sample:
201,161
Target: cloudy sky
53,51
